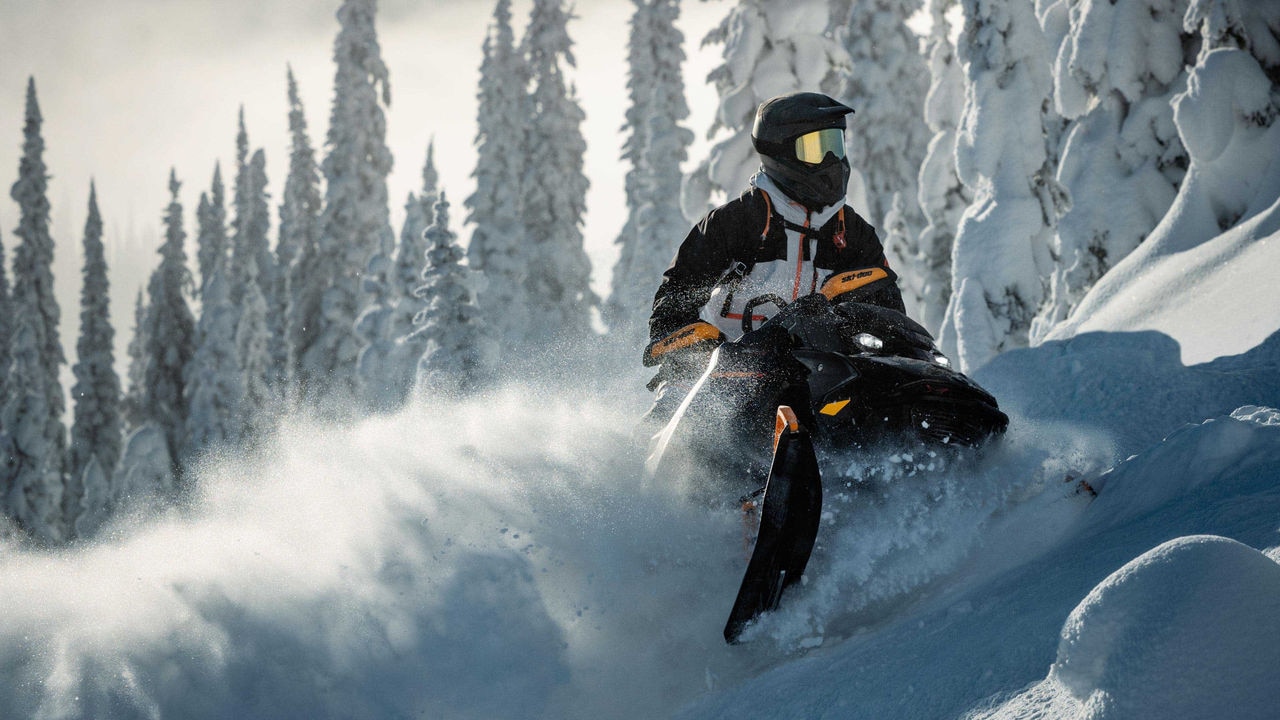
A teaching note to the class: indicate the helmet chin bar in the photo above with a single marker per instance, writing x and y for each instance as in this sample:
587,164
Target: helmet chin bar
814,186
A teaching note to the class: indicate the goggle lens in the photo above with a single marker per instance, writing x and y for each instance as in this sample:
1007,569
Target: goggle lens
813,147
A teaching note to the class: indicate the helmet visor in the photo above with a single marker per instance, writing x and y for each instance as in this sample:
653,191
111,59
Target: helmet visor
813,147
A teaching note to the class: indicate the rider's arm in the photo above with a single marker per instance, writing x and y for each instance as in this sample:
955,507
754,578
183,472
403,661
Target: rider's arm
686,287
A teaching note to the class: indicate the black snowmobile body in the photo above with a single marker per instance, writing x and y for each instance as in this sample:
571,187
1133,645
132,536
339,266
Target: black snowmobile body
856,375
850,375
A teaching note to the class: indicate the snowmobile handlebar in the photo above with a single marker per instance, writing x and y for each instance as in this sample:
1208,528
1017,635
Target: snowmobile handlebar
748,310
815,322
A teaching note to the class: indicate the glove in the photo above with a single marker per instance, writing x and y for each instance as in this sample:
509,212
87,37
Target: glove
698,336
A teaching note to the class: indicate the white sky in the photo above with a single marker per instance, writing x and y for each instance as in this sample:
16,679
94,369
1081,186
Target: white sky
130,88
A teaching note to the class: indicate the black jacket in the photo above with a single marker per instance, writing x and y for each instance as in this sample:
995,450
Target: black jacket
734,232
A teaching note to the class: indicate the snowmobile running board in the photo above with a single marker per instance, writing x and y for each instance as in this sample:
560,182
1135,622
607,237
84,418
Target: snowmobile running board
790,511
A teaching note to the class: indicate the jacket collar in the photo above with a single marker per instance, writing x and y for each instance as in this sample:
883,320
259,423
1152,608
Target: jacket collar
790,209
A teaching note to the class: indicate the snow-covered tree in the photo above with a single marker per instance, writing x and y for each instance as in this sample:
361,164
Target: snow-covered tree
170,332
401,359
94,507
498,245
657,220
211,227
97,432
6,324
618,310
886,83
413,244
253,262
385,369
254,333
32,481
558,272
354,224
771,48
375,365
1229,121
34,300
1118,66
133,403
943,197
145,473
450,332
655,149
297,249
1003,155
214,382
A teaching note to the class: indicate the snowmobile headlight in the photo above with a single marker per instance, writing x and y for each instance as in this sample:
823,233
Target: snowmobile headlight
942,360
869,341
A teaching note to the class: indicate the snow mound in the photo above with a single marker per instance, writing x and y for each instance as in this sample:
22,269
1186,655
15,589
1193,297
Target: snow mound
1183,631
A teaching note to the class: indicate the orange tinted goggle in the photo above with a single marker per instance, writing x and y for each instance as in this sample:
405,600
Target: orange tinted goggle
813,147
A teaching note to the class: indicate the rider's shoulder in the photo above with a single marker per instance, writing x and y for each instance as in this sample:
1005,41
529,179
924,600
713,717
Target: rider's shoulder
733,213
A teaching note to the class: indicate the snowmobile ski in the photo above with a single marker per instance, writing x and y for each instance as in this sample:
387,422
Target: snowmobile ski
789,516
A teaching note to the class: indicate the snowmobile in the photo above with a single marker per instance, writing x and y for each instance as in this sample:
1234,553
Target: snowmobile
818,378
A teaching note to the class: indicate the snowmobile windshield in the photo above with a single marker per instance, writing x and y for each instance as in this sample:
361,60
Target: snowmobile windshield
813,147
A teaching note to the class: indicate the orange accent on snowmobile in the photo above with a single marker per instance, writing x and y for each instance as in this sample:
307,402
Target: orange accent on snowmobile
687,336
786,420
852,280
833,408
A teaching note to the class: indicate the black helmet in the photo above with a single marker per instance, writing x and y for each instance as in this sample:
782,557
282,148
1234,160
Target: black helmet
806,163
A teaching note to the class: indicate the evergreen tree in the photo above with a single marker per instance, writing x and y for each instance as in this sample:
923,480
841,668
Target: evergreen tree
170,333
413,245
659,224
1228,119
771,47
375,366
145,472
253,357
244,222
558,279
401,359
297,249
1004,156
214,382
34,300
254,334
943,197
253,262
211,223
619,310
95,502
354,224
498,247
450,331
412,242
886,82
1123,160
96,432
134,402
6,326
32,481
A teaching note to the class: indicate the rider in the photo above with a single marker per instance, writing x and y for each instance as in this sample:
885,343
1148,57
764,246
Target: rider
789,234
